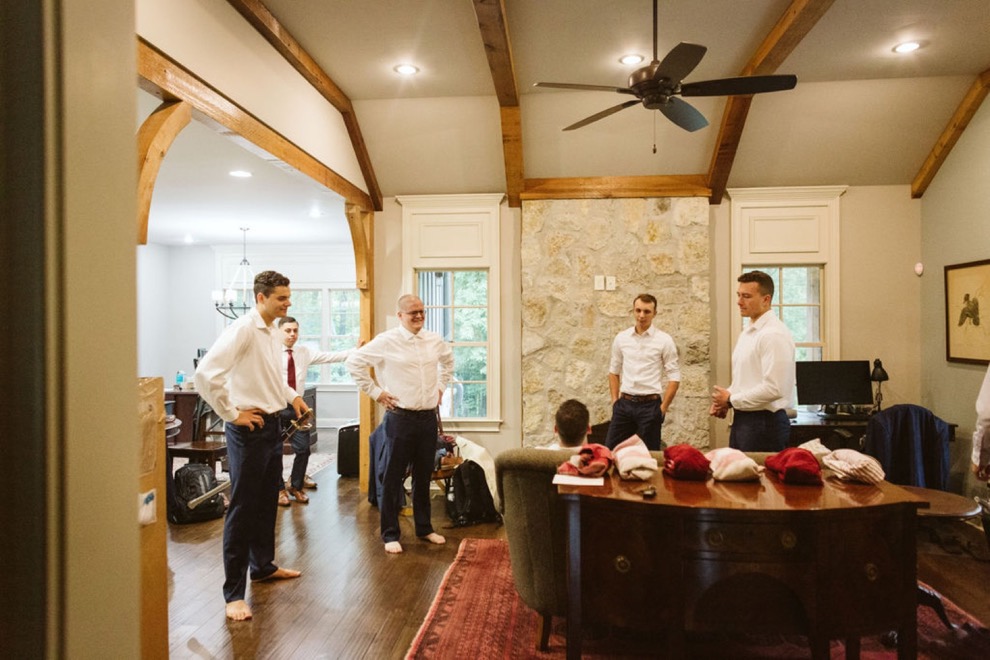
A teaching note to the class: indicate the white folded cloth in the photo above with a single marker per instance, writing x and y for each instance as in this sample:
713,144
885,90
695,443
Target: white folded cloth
633,459
851,465
730,464
816,447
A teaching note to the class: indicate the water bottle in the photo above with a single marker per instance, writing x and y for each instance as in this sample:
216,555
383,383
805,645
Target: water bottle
180,379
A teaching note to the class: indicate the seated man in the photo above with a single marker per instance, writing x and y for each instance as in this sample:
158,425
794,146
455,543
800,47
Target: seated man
572,427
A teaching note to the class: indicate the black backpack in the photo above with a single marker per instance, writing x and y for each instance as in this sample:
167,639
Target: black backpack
469,501
191,481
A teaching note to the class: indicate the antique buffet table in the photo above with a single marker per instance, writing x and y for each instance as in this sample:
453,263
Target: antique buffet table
831,562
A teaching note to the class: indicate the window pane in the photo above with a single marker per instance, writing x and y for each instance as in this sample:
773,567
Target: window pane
801,285
307,309
808,353
345,328
470,399
470,363
471,324
803,322
470,288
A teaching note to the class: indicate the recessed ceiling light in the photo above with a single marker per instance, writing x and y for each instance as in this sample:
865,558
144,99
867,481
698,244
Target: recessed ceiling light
241,174
907,47
632,58
406,69
187,239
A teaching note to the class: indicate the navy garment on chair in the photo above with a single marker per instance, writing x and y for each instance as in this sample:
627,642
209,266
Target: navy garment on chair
912,445
379,455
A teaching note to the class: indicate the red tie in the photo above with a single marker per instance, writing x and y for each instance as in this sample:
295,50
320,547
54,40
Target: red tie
291,370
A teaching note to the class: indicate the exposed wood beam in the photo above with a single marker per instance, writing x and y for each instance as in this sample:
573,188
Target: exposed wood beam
361,223
605,187
795,23
268,27
957,124
495,36
167,79
155,136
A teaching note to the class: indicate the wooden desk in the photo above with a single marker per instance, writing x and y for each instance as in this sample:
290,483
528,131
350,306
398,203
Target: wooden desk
834,434
836,561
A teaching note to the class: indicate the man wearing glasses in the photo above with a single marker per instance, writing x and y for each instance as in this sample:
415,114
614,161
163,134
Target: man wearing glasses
414,367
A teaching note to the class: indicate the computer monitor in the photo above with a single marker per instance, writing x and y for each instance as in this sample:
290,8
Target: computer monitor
834,382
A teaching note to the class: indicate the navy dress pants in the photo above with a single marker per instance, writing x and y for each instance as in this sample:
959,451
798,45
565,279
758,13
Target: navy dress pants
255,462
760,430
412,439
642,418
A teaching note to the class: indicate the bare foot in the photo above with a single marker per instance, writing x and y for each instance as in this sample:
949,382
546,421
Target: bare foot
393,547
280,574
238,610
433,537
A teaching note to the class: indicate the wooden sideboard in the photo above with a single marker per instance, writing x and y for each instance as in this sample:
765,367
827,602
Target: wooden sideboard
831,562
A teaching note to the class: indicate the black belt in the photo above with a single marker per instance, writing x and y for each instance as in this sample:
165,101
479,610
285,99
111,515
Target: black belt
640,398
406,411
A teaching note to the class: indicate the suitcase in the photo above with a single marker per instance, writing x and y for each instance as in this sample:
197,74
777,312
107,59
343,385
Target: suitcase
347,450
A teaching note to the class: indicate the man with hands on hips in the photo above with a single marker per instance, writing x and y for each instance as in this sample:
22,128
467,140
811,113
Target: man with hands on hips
241,378
414,367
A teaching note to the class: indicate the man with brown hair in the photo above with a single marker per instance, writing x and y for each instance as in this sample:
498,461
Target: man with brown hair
762,372
241,378
642,358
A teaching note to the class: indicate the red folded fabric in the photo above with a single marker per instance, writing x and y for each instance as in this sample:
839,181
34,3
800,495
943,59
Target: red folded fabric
685,462
592,460
795,465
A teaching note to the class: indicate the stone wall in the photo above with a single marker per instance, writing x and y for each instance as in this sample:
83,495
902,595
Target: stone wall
658,246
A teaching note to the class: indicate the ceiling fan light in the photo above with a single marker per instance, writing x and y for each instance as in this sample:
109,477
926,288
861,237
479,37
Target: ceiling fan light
406,69
631,59
907,47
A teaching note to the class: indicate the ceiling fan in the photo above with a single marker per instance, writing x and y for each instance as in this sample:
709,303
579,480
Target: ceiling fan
658,84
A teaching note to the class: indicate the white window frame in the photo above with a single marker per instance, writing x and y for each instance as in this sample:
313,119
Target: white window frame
790,227
459,232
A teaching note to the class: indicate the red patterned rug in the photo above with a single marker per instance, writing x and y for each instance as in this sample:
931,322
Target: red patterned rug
477,614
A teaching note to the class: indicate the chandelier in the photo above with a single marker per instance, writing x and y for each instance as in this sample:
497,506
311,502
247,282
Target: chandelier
237,298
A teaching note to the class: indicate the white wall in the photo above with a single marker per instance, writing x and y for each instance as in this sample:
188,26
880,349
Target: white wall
954,230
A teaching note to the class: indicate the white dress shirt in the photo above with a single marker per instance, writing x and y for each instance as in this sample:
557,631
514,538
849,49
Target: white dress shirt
243,369
414,368
981,436
763,366
643,361
303,357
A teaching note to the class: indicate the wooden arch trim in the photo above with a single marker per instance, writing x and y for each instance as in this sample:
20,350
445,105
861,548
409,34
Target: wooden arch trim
155,136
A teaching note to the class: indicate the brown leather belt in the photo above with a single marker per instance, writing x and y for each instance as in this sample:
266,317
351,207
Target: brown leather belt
640,398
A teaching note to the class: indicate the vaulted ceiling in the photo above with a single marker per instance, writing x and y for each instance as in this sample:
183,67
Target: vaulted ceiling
471,120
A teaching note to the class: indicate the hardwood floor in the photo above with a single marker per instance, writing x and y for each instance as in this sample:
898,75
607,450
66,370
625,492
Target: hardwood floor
352,601
355,601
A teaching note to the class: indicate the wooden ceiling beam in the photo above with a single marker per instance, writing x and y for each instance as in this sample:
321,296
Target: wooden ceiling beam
258,15
495,36
616,187
168,80
794,24
155,136
957,124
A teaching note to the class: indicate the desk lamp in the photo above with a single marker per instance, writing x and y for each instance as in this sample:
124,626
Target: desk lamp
878,375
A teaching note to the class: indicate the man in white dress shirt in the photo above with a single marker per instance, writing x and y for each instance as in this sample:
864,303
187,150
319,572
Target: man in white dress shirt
301,357
414,367
241,378
642,358
762,372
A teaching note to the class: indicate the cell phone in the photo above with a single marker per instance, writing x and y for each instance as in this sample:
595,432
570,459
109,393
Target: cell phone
648,492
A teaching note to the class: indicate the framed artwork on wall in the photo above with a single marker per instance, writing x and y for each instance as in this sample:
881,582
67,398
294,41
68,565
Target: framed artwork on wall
967,331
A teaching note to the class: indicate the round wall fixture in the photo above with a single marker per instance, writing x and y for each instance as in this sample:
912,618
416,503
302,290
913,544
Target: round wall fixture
919,268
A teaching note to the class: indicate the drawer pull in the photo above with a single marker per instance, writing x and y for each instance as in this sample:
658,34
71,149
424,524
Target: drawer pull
872,572
622,564
788,539
715,538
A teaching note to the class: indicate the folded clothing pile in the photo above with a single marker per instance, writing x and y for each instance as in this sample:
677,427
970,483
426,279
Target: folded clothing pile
730,464
851,465
633,459
795,465
592,460
685,462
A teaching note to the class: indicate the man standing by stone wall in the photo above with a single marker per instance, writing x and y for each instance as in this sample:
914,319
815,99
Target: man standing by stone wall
642,357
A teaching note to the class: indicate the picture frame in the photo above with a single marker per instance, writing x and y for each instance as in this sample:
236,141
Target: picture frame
967,331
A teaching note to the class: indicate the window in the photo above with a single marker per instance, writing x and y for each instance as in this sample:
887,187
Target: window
797,301
456,305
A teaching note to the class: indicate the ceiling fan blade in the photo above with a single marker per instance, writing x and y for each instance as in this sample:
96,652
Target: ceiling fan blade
680,62
741,85
589,88
683,114
605,113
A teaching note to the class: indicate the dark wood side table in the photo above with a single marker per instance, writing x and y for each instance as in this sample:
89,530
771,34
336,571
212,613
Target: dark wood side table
746,557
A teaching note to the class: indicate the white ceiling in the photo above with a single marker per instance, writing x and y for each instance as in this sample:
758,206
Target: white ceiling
860,114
